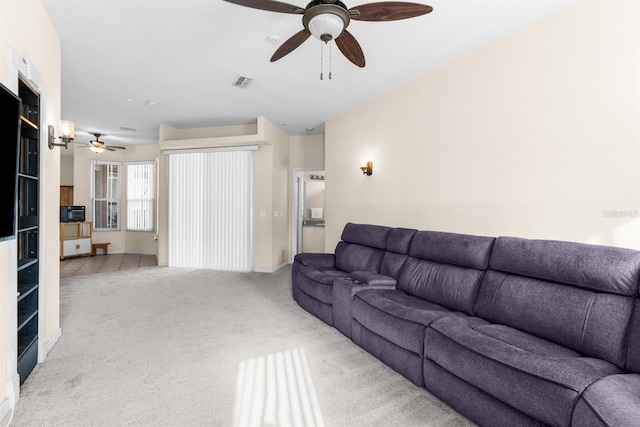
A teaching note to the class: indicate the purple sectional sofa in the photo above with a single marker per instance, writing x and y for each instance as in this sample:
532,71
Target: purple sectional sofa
507,331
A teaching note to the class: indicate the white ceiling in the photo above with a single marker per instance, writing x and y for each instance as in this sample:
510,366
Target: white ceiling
185,55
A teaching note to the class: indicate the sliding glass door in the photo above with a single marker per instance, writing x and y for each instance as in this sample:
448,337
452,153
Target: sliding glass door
211,197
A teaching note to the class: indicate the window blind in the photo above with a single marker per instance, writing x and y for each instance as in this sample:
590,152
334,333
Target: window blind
211,196
141,179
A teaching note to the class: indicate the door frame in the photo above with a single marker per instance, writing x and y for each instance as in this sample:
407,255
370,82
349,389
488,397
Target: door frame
296,217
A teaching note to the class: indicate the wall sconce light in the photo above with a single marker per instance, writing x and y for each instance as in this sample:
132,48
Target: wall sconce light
367,169
68,132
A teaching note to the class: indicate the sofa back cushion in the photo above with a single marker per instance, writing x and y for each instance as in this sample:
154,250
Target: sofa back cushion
400,239
446,268
397,250
353,257
599,268
452,248
362,247
577,295
375,236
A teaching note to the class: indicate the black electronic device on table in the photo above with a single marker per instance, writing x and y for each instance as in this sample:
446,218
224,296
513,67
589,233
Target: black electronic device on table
72,213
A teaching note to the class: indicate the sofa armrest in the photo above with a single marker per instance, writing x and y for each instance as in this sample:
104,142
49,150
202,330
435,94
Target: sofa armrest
316,259
611,401
373,279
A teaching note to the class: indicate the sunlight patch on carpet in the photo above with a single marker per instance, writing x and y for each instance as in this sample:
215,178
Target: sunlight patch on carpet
276,390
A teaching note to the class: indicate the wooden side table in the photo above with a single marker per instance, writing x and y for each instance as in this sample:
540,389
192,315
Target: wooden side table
102,246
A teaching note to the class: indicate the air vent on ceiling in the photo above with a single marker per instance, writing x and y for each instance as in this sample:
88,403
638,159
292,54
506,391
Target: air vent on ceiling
242,82
128,129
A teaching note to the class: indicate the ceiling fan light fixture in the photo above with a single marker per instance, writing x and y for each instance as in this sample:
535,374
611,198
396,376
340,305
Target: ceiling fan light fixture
96,149
326,21
326,27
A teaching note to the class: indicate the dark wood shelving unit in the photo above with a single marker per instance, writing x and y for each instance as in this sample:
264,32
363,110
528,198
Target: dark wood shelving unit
28,230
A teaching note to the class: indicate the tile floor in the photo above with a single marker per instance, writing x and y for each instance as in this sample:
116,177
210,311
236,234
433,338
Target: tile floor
80,266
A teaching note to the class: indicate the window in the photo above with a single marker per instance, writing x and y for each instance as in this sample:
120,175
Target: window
105,195
141,178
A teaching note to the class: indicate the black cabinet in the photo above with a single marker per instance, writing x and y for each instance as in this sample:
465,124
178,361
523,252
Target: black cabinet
28,230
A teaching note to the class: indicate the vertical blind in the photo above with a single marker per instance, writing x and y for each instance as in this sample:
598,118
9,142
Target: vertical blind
141,193
211,210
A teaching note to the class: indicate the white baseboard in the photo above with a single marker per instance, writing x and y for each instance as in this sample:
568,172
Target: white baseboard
12,389
272,270
257,270
5,408
54,339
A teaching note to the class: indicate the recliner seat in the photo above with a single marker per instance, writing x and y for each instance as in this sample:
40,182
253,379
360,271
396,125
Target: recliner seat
362,249
440,278
544,331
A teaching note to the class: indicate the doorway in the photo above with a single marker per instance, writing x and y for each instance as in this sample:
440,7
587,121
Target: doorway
308,224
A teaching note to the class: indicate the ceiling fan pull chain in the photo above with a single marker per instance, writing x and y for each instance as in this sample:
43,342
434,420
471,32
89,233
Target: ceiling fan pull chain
330,60
321,60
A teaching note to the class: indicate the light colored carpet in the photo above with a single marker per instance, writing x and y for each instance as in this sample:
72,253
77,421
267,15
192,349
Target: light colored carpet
162,346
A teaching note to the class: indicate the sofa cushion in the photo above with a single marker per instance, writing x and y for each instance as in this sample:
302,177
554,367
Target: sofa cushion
400,239
318,282
451,286
592,323
600,268
392,264
612,401
396,316
537,377
403,361
315,259
351,257
452,248
314,306
397,249
470,401
344,291
375,236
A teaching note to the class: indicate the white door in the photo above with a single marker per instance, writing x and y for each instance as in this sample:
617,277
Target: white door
70,248
84,246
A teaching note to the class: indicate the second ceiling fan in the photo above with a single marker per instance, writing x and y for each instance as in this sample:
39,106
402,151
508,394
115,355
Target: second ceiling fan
98,146
328,20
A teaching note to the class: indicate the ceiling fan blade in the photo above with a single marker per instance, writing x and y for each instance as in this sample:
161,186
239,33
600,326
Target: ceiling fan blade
109,148
350,48
269,5
119,147
388,11
289,45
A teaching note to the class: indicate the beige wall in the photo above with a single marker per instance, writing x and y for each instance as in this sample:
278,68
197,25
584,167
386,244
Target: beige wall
66,169
306,151
535,135
26,28
280,245
122,241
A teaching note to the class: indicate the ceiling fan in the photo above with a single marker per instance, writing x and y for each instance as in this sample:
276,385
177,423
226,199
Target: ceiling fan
328,20
98,146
